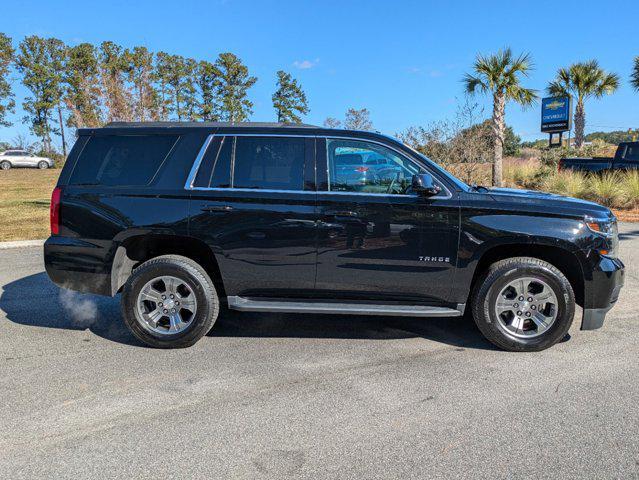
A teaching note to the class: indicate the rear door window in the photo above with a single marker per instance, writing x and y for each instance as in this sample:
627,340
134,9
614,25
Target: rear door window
122,160
632,153
273,163
253,162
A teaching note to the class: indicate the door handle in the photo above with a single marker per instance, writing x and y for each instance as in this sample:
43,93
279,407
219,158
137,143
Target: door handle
217,208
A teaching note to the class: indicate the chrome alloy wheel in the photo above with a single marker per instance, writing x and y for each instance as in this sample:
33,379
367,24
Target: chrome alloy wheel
166,305
526,307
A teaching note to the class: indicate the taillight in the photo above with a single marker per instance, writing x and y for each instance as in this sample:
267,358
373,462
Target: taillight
361,169
54,210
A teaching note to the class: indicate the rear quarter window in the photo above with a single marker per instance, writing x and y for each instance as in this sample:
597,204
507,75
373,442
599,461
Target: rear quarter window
121,160
632,153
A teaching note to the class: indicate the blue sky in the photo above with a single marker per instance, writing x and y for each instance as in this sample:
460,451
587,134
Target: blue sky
402,60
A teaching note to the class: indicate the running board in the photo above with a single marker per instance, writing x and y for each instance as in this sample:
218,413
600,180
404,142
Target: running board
284,306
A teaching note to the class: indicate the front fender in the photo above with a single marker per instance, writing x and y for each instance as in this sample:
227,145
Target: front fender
490,234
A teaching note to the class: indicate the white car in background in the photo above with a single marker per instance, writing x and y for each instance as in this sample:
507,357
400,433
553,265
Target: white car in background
22,158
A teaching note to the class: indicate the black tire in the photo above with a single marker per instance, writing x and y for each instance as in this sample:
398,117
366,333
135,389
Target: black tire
496,278
195,277
5,165
43,165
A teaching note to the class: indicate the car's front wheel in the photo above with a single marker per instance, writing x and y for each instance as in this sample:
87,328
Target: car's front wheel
43,165
5,165
523,304
169,302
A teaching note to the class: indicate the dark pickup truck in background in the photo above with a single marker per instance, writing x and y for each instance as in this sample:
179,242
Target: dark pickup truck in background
626,158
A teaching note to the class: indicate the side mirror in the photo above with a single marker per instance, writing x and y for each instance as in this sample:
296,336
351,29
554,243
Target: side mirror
424,184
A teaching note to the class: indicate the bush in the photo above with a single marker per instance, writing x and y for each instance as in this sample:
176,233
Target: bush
630,189
571,184
606,189
521,174
576,185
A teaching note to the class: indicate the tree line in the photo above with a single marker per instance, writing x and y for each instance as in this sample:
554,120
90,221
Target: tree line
89,85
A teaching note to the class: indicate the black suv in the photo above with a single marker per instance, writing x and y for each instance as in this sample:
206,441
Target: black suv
182,218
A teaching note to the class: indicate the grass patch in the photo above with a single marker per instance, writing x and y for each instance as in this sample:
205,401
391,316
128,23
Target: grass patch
605,188
25,194
521,174
571,184
630,189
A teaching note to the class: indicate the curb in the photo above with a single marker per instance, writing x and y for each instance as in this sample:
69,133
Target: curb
21,244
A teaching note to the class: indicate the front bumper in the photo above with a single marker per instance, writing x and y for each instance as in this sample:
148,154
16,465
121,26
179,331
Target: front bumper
602,291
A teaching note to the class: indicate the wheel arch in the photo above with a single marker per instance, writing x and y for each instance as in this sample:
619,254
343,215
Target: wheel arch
134,250
563,259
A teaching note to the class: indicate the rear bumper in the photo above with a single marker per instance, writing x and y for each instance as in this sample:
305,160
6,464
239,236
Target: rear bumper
602,292
78,265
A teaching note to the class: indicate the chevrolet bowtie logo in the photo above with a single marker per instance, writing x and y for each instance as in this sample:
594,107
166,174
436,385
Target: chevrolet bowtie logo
555,105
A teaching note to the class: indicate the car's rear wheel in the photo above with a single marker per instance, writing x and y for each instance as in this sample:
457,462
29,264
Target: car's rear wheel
523,304
5,165
43,165
169,302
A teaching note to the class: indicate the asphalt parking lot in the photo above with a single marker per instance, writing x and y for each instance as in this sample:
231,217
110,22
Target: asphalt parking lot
307,396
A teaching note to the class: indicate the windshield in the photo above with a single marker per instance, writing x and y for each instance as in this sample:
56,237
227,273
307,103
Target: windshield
446,173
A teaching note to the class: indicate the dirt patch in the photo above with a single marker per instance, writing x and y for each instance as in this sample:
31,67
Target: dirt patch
627,215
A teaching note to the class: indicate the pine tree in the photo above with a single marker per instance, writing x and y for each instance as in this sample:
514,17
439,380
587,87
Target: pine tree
289,99
36,61
82,79
358,119
206,80
140,76
58,55
177,85
188,90
161,76
7,103
231,88
113,72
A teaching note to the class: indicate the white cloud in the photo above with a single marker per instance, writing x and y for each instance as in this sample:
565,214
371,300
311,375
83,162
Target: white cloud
305,64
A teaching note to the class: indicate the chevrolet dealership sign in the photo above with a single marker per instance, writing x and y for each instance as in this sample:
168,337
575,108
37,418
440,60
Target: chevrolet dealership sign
556,114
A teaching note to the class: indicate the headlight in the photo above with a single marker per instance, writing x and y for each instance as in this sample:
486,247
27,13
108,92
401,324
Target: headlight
604,227
607,228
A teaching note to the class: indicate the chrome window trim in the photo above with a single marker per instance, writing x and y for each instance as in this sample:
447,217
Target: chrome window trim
200,156
254,190
196,164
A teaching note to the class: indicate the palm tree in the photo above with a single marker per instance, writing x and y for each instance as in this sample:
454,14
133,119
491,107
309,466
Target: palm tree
583,80
500,76
634,78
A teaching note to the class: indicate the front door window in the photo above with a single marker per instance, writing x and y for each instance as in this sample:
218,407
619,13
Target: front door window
364,167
